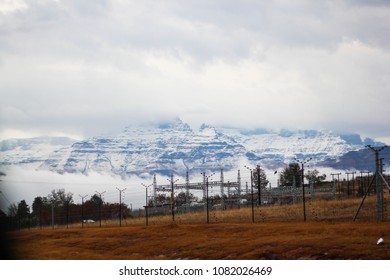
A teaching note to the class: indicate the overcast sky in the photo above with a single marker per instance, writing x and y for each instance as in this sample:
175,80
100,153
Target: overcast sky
84,68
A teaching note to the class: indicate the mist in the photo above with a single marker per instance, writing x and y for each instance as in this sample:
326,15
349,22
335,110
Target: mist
26,184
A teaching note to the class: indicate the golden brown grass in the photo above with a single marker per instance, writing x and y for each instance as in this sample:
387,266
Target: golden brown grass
321,210
278,233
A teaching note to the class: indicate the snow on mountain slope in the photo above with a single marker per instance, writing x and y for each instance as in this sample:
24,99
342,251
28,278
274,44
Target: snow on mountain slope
175,147
30,152
163,149
287,145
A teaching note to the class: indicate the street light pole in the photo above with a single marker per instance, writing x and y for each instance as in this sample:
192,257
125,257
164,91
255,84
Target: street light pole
303,185
146,202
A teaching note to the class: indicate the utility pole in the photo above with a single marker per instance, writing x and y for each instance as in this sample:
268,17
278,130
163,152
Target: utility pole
82,210
303,162
253,209
100,207
172,197
146,202
207,194
120,205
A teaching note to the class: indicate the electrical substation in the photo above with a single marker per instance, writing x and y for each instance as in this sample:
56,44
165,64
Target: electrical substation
213,192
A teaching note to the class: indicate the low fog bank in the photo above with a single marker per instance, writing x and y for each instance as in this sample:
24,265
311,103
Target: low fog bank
26,184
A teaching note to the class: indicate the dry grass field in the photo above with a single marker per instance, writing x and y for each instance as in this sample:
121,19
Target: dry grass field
278,233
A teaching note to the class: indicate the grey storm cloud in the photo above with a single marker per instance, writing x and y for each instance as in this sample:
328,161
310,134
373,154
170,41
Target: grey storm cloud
82,67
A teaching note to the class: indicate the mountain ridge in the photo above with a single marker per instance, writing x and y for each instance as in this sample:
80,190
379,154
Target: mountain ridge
174,147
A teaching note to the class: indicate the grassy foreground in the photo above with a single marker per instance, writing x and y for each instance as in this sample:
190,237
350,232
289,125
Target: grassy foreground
278,233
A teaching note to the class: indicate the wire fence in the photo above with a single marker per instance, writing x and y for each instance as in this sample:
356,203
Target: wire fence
321,202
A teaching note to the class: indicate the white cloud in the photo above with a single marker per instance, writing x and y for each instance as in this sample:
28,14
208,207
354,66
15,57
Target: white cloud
90,68
10,6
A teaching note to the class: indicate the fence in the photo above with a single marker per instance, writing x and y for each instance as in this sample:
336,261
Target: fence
224,196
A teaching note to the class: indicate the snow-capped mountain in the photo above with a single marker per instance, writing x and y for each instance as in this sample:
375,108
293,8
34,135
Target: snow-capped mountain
165,148
175,147
285,146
